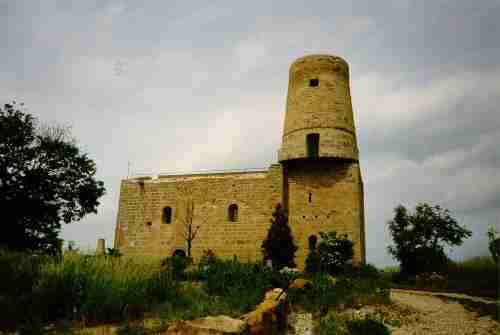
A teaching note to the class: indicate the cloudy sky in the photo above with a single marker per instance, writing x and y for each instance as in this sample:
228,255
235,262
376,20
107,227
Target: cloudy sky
184,85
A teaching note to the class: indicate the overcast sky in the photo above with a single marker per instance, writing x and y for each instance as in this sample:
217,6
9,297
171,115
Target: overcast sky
184,85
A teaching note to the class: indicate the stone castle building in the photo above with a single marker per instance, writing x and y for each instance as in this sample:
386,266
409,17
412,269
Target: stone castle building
317,180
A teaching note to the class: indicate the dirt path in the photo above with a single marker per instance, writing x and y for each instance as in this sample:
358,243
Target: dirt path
438,316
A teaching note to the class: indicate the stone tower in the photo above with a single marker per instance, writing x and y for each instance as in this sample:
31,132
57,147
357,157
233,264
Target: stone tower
322,186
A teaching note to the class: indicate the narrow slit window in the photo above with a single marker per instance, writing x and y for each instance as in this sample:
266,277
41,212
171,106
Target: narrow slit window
314,82
167,215
310,197
233,213
312,145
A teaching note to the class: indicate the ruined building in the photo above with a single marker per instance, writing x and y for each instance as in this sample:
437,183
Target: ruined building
317,179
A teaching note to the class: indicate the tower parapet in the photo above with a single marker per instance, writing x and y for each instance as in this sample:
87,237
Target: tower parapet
319,120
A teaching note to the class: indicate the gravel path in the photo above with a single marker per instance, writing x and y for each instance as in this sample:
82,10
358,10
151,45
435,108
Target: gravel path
438,316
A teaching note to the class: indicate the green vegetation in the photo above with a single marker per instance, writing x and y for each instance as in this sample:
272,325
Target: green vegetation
331,255
476,276
419,238
356,285
371,324
36,290
44,181
278,245
493,243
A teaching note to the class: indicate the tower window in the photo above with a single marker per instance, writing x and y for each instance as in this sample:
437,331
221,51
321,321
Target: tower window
233,213
167,215
314,82
312,145
310,197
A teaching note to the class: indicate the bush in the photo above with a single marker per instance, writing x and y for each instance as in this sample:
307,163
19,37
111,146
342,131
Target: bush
313,262
19,272
370,325
493,243
334,252
360,285
176,265
279,246
241,284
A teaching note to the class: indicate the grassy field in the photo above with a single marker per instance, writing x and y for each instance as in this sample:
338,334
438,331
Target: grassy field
476,276
81,291
89,290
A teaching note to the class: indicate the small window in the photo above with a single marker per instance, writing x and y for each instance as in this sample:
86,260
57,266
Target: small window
312,241
310,197
233,213
314,82
312,145
167,215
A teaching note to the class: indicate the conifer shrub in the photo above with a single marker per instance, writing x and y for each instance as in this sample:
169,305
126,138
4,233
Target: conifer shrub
279,246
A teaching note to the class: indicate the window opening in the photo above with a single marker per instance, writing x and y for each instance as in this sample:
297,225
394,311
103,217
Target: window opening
167,215
314,82
312,145
233,213
310,197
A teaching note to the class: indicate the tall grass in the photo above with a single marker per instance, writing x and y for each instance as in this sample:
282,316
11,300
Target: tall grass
478,276
90,290
81,288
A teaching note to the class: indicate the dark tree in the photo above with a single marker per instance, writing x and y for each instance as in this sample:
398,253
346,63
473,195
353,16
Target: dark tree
44,180
419,238
278,245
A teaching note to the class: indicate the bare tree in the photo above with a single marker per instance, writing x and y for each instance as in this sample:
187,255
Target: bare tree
190,230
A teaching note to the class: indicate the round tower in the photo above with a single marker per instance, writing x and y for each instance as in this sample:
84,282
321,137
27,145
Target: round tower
319,120
322,184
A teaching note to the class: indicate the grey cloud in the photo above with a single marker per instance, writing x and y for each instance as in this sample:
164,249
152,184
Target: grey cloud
183,86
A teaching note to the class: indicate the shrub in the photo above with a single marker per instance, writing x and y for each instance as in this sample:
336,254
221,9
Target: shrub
360,285
242,285
19,272
334,252
369,325
176,265
279,246
313,262
493,243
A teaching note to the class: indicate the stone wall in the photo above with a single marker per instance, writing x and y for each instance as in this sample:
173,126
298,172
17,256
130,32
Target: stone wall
141,228
325,195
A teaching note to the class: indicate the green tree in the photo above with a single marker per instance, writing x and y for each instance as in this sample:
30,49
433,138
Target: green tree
44,180
493,243
278,245
419,238
334,252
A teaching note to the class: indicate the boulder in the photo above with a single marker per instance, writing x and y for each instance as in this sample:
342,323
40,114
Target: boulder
270,315
211,325
300,284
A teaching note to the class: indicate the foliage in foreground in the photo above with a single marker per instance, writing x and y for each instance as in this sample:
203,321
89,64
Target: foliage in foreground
356,285
80,288
279,246
420,237
36,290
332,324
45,180
475,276
332,254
